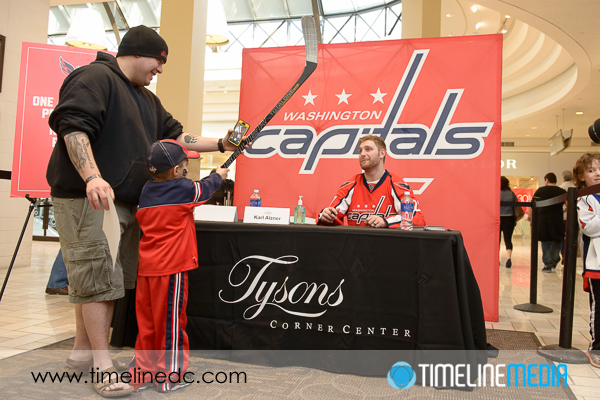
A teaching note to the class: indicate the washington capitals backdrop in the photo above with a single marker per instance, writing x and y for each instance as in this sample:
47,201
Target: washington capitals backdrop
43,70
435,102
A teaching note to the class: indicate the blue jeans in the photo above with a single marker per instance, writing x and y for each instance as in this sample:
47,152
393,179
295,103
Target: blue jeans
58,275
550,253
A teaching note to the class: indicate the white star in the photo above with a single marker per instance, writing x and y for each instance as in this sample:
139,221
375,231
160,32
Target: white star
310,98
378,96
343,98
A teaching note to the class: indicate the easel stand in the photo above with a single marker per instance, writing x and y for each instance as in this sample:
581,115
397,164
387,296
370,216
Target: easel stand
32,204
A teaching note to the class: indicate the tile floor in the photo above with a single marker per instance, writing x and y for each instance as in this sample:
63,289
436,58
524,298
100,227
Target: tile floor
30,319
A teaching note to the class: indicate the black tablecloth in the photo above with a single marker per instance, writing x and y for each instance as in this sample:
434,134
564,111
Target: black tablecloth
332,288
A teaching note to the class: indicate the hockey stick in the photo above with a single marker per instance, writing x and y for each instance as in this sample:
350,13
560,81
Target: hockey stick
309,31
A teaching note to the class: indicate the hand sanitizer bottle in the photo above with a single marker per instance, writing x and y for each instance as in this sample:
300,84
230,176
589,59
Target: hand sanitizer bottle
299,212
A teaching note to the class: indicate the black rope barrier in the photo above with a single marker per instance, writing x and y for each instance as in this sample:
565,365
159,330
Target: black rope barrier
533,305
563,351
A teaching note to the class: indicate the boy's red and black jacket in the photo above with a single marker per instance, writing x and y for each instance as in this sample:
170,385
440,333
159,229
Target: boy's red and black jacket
166,216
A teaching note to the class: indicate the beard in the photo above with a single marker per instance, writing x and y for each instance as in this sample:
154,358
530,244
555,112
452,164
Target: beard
367,163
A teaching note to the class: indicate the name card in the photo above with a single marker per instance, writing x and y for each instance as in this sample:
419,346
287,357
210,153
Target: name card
267,215
209,212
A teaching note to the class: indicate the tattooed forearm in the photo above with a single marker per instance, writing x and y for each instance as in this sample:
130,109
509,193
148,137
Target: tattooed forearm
190,138
78,147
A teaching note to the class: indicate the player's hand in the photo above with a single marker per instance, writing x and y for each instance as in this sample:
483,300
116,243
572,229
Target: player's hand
223,172
229,146
375,221
329,215
97,191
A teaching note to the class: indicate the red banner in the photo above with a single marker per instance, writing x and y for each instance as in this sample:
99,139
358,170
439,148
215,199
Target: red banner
435,102
43,70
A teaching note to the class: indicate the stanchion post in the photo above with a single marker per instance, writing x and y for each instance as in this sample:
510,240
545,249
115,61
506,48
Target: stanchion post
563,351
532,306
534,253
568,290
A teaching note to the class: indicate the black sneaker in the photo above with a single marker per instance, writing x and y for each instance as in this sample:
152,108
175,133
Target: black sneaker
508,263
546,269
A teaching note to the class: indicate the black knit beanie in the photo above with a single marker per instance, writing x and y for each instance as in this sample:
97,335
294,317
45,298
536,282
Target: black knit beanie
143,41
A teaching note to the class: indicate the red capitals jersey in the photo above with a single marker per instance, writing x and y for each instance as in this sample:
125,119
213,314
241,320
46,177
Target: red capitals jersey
356,200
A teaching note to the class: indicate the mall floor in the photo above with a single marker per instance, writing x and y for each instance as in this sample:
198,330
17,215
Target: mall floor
30,319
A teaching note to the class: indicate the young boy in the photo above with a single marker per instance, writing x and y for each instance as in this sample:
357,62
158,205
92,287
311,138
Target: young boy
168,250
586,172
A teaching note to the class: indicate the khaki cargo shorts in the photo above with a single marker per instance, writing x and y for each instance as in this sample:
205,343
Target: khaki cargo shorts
92,277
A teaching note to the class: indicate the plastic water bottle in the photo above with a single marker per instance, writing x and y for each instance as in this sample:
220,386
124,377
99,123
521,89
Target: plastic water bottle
255,199
407,207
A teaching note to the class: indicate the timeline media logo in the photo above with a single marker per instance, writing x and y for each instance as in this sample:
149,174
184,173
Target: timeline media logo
401,376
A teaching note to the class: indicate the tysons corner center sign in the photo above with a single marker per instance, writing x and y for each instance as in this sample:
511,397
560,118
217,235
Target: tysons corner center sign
435,102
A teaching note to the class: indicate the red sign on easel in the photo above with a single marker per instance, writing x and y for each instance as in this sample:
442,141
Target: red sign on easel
43,70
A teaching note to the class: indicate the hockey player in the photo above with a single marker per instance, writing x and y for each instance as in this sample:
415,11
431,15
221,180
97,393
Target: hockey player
373,197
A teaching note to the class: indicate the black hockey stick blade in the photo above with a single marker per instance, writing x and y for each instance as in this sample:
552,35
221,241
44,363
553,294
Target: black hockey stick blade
309,31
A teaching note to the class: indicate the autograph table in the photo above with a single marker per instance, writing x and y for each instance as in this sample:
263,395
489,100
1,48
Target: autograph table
306,287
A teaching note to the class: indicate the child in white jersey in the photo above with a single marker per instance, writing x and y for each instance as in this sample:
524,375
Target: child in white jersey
586,173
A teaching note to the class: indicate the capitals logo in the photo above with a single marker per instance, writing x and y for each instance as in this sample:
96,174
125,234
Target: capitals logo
65,67
441,140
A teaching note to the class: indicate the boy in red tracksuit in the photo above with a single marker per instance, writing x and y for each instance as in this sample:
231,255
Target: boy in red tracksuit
168,250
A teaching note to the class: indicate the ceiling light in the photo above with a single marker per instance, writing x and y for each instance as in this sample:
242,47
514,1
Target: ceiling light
504,30
507,16
87,30
478,25
216,25
474,8
534,127
449,15
579,112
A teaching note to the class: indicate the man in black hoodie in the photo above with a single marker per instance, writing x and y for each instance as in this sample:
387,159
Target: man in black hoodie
106,120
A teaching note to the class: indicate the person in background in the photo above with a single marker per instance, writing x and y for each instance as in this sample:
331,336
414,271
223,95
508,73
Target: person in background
373,197
550,222
567,177
586,172
507,217
168,250
58,282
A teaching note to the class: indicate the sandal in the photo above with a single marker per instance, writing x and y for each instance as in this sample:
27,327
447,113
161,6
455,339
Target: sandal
102,387
74,366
